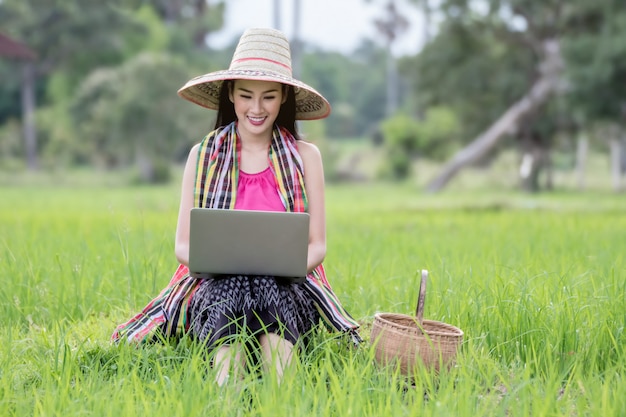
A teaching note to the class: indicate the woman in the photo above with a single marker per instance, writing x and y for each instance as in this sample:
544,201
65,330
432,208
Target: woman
253,160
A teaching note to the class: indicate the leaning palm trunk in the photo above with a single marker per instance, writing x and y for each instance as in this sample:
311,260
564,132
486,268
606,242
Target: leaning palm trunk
548,83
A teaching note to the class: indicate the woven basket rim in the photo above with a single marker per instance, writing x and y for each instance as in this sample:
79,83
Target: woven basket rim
385,319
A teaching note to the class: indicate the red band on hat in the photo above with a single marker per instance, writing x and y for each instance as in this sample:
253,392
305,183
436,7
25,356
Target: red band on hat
263,59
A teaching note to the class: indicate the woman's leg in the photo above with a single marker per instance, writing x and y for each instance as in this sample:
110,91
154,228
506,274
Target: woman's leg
277,352
229,357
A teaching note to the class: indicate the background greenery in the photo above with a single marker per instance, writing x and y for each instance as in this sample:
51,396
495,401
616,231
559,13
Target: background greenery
107,73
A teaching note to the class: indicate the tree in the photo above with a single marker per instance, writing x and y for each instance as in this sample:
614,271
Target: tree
131,116
406,138
10,48
391,27
75,38
596,73
59,35
530,33
196,18
61,32
354,85
467,68
509,122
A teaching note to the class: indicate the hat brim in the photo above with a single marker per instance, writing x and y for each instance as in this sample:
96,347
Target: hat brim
205,91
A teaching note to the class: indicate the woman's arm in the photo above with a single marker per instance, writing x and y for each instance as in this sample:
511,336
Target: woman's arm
186,204
314,184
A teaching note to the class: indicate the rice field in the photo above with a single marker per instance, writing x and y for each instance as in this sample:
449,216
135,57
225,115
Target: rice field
537,283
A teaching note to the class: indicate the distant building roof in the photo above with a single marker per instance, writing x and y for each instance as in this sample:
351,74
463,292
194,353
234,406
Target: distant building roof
13,49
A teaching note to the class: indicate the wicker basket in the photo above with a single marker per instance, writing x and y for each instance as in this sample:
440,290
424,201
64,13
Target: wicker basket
413,341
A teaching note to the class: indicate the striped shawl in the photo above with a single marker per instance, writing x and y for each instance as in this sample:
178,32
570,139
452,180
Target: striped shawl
215,187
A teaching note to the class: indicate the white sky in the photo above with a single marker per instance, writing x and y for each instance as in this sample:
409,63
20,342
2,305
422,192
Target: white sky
337,25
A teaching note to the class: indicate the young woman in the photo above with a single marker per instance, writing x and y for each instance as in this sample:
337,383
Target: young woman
253,160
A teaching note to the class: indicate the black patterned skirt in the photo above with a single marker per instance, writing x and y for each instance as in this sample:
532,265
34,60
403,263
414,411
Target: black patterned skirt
250,305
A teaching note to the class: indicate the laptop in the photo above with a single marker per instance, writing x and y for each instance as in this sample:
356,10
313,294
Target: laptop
246,242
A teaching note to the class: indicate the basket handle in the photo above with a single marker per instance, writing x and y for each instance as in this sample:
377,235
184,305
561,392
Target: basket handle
419,311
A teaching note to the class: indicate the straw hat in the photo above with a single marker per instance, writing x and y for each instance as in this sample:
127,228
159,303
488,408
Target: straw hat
262,54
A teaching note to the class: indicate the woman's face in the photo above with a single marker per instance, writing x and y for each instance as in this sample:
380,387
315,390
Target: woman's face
257,104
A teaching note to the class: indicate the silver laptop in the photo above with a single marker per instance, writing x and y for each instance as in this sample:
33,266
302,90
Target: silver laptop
245,242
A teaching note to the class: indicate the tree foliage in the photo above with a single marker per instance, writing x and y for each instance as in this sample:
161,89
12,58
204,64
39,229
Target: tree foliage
484,58
406,138
94,57
106,79
488,54
354,85
108,72
73,36
126,112
597,59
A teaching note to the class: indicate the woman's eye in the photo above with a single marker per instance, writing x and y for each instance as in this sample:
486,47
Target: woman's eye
244,96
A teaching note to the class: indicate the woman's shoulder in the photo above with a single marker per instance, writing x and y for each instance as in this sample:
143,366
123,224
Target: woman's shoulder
308,150
194,149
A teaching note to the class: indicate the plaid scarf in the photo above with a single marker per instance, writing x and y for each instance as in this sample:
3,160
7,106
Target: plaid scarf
217,175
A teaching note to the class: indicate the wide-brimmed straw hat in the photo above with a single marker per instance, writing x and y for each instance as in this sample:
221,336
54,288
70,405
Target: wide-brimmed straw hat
262,54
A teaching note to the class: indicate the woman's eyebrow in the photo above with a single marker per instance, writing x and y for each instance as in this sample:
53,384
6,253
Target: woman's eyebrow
273,90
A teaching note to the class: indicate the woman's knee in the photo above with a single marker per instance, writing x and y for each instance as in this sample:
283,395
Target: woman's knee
273,344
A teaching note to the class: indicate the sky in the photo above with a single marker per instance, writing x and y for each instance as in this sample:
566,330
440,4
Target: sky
334,25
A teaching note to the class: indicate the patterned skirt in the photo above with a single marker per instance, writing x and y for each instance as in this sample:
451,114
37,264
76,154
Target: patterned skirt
250,305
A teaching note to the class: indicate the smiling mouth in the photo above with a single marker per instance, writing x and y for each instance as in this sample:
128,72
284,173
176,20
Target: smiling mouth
257,121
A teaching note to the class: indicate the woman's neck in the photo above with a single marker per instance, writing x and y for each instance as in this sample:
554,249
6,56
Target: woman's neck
255,144
252,142
253,156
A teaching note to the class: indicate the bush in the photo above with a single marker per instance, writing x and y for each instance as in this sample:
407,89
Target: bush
406,138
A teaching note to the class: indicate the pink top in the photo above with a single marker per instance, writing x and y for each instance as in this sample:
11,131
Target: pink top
258,192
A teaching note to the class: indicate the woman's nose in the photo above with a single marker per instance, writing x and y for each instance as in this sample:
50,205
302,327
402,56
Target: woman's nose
256,104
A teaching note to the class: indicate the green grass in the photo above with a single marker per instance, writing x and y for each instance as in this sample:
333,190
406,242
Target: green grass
537,283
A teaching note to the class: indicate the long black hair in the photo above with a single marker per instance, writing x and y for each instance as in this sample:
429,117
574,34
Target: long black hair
286,115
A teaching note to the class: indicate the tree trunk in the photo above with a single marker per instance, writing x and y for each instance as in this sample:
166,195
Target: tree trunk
615,146
28,114
548,166
623,155
392,83
296,44
526,170
276,15
539,93
144,164
427,12
534,162
582,150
